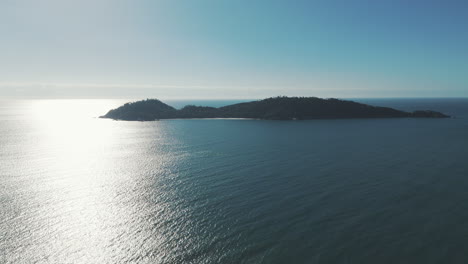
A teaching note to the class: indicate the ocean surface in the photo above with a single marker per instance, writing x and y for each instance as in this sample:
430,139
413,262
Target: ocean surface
78,189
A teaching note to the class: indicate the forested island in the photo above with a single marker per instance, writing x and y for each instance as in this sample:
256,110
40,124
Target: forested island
277,108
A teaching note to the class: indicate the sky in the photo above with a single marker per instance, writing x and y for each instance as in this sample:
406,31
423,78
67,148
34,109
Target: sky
233,48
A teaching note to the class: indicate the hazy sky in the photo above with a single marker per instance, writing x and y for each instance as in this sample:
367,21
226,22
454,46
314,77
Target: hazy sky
233,48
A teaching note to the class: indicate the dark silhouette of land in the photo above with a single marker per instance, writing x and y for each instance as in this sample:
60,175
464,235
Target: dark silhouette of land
278,108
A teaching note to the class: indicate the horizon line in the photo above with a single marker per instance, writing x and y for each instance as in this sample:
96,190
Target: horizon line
138,98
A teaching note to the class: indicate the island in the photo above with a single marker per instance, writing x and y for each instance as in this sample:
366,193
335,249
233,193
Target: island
277,108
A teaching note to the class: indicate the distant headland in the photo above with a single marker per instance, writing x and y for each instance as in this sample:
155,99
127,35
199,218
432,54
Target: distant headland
277,108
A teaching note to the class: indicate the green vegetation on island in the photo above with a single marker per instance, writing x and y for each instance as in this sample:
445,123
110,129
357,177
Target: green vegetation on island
277,108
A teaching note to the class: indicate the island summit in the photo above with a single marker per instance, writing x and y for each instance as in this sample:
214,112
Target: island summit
278,108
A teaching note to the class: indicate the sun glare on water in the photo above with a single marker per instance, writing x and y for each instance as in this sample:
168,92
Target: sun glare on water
85,181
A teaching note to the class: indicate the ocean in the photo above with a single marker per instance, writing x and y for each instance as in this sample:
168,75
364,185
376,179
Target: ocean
78,189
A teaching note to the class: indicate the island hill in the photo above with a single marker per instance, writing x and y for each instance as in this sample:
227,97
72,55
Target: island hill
278,108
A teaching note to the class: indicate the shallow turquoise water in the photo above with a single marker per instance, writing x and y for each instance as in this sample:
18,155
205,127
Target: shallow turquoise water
77,189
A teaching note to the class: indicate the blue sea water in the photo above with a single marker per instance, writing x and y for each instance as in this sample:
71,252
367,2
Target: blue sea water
78,189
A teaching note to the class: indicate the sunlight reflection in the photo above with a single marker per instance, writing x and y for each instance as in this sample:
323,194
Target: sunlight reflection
92,180
73,140
90,190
